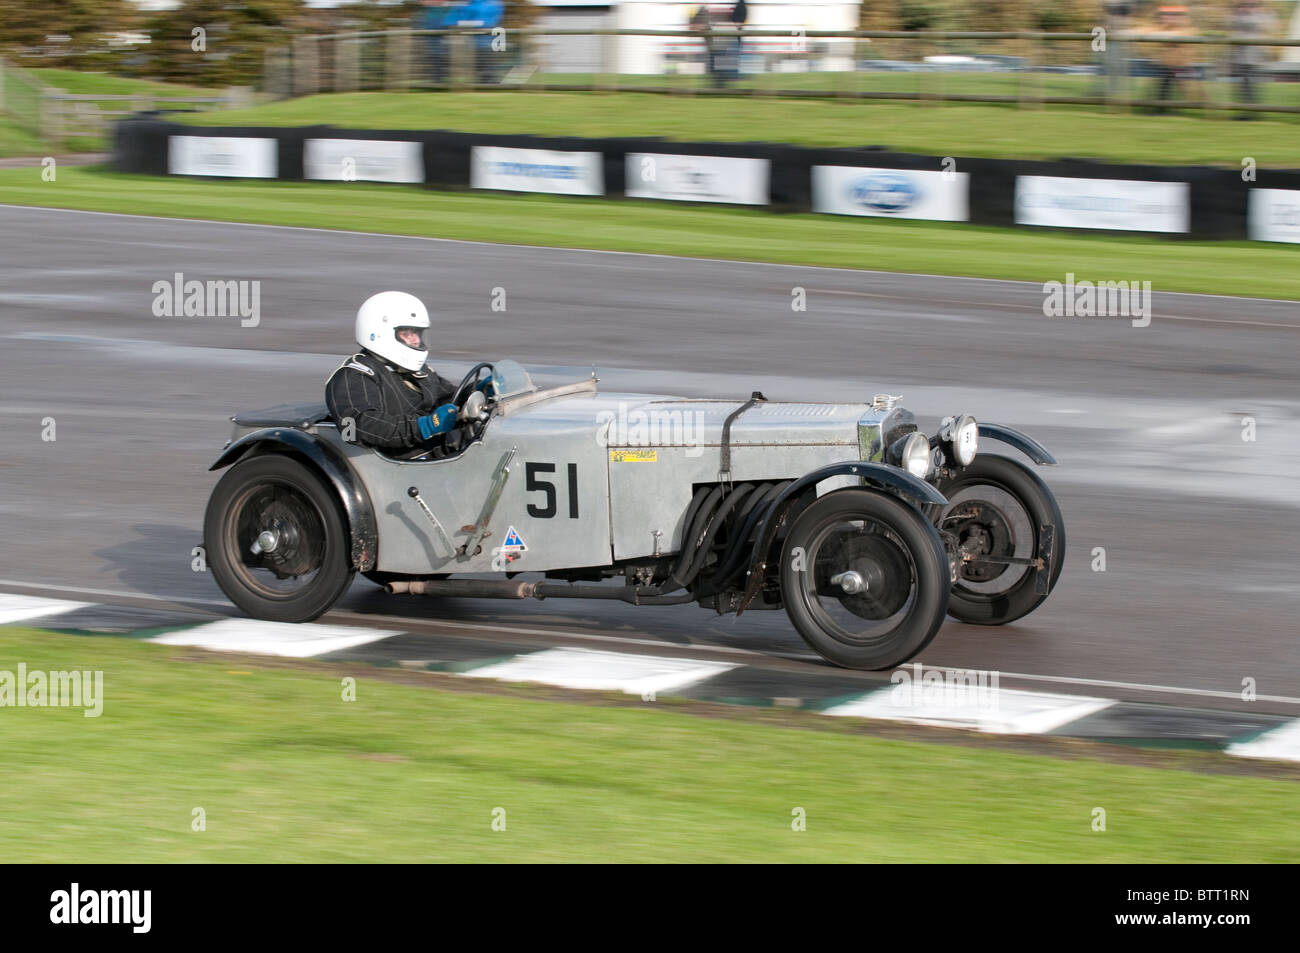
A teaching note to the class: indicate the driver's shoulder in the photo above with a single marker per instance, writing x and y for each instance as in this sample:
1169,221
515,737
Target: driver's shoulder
361,363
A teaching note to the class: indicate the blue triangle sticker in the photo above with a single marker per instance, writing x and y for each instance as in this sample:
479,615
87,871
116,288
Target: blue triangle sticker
513,542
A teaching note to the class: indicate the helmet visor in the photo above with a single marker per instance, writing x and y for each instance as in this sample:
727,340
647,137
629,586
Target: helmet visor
411,337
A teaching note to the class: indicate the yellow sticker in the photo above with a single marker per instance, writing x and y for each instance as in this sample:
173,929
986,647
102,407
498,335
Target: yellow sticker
633,456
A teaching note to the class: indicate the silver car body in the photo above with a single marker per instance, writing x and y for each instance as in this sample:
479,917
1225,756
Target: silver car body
590,479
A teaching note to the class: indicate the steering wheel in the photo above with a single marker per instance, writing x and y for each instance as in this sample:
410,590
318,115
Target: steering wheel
467,383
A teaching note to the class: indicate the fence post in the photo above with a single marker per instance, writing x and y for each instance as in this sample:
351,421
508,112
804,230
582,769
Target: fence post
306,66
341,72
2,85
46,120
397,59
277,75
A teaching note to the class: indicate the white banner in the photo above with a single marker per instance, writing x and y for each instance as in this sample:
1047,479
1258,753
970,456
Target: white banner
233,156
1119,204
891,193
679,178
536,170
1273,215
363,160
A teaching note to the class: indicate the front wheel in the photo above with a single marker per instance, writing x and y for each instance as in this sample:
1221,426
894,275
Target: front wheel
1001,519
864,578
276,540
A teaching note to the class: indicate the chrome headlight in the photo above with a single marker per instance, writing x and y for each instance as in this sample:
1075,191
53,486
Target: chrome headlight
961,438
912,453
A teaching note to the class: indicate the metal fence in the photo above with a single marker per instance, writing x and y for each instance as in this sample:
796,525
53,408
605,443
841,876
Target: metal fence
57,118
1029,68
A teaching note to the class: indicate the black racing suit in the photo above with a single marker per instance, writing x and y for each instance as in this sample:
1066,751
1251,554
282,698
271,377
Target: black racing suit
386,403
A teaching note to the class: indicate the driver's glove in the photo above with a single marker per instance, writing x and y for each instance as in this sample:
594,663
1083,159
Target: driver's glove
440,421
483,385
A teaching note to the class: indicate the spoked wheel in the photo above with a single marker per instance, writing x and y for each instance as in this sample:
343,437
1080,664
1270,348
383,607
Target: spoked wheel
1001,519
276,540
864,579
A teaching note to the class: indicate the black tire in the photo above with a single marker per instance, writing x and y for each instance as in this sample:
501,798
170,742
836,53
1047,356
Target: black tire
881,540
1010,593
309,568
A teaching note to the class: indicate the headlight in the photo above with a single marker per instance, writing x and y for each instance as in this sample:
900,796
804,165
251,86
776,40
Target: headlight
912,453
961,436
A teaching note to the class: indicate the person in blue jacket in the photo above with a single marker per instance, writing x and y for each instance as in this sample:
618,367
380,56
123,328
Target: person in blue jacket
485,14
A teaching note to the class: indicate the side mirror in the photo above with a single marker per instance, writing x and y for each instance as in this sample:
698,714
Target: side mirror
475,406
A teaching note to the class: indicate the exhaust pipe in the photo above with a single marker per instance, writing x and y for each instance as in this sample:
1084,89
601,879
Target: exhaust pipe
517,589
463,588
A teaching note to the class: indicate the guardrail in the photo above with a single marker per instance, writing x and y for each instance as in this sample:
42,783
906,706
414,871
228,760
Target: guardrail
67,116
1118,70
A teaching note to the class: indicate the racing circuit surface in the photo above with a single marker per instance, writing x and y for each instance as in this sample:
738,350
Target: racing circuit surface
1197,524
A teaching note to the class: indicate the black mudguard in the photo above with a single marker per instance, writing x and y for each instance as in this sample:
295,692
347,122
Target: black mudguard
1023,442
333,466
880,475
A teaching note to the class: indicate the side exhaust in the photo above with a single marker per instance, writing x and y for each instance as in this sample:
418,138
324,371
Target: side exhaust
516,589
463,588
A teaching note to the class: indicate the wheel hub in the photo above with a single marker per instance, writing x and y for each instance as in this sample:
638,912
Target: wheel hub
980,530
868,574
849,581
284,542
266,542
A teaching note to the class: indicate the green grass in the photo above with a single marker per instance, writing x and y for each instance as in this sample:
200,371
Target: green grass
106,84
949,129
285,770
16,140
1232,268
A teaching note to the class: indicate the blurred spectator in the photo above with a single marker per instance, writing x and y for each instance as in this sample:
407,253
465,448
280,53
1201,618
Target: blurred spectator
484,14
1118,14
434,17
739,16
702,20
1172,59
1250,20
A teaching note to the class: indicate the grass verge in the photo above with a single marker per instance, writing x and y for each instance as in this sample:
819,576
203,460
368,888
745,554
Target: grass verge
285,770
1251,269
948,129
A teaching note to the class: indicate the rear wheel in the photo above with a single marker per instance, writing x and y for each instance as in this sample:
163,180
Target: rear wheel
864,579
999,509
276,539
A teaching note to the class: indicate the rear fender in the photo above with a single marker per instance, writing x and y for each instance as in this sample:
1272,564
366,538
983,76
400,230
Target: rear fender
330,464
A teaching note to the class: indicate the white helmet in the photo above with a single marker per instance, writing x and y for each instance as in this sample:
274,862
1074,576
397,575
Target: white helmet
382,316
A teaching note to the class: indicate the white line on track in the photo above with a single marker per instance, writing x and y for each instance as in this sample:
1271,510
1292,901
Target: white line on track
16,608
1280,744
1037,309
273,638
596,251
999,712
571,667
624,640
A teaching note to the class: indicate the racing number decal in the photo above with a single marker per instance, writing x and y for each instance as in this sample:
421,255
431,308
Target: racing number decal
534,483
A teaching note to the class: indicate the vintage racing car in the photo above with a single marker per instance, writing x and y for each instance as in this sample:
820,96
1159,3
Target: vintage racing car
865,530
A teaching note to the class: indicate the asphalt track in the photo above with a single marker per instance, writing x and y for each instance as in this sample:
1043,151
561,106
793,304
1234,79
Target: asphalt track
1198,525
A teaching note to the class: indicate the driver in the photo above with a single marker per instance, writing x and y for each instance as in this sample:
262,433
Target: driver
393,400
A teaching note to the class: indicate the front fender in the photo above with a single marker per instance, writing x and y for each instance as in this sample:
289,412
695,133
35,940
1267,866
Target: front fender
1023,442
333,466
880,475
